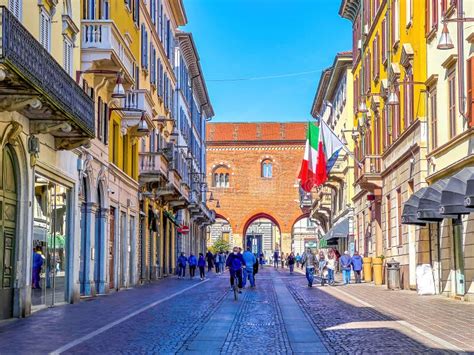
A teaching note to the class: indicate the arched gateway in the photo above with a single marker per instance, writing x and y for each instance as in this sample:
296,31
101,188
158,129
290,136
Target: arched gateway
260,199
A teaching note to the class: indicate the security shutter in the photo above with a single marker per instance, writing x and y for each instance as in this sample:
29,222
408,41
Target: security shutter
67,53
45,30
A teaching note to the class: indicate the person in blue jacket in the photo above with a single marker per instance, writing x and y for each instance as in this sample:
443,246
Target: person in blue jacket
201,266
192,261
235,262
357,266
345,262
182,260
250,261
38,260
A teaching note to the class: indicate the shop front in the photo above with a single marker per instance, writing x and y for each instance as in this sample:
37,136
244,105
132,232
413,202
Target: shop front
51,242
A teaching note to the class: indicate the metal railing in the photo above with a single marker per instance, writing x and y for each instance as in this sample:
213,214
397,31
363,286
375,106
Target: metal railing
23,54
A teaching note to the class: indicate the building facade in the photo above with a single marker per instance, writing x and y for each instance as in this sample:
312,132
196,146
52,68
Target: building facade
252,170
333,103
45,119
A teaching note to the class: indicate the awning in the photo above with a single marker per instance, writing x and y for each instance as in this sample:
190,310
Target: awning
454,194
469,199
340,230
430,203
172,218
411,207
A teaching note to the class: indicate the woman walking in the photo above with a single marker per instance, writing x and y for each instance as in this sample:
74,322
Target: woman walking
201,266
291,262
322,268
192,261
282,260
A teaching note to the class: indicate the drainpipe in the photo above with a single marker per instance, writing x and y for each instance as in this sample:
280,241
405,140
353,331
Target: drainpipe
460,45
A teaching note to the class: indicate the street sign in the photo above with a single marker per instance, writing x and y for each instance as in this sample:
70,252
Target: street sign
183,230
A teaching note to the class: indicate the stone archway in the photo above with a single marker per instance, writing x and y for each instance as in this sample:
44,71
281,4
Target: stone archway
262,233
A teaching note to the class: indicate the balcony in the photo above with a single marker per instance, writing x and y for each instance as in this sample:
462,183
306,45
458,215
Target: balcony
368,174
137,101
103,47
153,167
34,84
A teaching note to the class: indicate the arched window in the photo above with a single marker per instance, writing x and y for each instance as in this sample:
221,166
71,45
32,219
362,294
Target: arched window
221,177
267,168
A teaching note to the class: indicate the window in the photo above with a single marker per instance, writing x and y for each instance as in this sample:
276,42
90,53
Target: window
408,107
104,9
153,11
395,22
115,142
408,12
144,43
67,55
134,172
377,125
399,216
375,58
267,169
16,8
395,116
434,118
389,221
384,40
125,144
153,65
45,30
470,91
221,177
431,15
452,103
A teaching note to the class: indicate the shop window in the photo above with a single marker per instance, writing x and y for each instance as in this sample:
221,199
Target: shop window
267,169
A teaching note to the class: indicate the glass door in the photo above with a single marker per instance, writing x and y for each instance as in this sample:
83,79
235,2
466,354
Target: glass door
50,229
458,257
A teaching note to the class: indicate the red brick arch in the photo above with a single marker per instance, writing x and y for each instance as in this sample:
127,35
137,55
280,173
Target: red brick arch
258,216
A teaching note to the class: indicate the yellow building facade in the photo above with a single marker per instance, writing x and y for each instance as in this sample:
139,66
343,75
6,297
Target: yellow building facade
390,116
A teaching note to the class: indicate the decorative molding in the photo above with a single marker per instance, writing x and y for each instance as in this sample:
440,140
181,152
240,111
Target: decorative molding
450,61
407,55
394,72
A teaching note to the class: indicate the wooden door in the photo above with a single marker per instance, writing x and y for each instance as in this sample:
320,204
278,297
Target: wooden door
8,213
112,248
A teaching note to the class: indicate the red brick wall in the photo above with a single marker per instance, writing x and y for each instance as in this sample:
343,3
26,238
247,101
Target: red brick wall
241,147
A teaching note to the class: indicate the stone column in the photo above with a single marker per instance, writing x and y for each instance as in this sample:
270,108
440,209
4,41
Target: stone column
101,247
85,274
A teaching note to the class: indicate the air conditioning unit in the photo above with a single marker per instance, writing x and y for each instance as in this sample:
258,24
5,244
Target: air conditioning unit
366,29
359,44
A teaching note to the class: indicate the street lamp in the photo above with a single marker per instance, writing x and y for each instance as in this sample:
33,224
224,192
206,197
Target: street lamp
445,41
363,107
393,98
118,92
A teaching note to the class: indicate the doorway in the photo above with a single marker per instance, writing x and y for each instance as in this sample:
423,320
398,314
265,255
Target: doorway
458,257
112,248
50,240
8,216
254,243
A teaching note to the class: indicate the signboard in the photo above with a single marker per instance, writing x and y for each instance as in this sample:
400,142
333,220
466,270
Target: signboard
183,230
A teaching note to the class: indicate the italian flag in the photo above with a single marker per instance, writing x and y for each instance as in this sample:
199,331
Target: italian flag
307,173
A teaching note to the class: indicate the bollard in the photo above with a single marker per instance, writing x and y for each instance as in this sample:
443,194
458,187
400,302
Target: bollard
367,269
377,265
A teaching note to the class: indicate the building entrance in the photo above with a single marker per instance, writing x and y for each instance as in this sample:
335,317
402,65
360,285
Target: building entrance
254,242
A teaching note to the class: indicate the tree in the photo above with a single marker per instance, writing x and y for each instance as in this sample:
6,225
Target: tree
220,245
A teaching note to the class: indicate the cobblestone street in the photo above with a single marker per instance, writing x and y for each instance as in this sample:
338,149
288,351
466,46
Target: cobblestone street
281,315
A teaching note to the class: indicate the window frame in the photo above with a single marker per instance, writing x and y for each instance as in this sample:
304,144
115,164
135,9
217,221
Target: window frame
452,105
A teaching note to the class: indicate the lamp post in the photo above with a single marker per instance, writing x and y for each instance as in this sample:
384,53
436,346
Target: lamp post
118,92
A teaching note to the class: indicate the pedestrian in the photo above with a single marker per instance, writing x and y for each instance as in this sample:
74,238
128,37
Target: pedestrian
255,272
38,261
298,259
250,261
345,262
182,260
308,259
276,256
357,262
261,259
331,266
201,266
337,256
210,260
291,262
323,271
282,260
235,262
192,261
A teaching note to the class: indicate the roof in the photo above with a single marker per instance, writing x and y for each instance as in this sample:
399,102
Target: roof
349,9
256,132
190,55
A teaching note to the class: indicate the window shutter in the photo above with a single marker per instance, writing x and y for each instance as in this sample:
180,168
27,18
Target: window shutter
106,123
427,17
470,84
99,118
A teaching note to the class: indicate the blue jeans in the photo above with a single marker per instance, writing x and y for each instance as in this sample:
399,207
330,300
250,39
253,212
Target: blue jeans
310,275
181,270
346,275
330,276
248,273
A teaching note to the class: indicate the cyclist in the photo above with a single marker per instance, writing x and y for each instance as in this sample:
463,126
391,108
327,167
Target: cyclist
235,262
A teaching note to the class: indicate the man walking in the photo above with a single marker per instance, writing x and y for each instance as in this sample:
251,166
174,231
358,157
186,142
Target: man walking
345,262
210,260
276,257
250,261
357,266
182,260
192,261
308,259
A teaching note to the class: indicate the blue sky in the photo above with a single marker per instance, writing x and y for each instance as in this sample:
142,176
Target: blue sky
254,38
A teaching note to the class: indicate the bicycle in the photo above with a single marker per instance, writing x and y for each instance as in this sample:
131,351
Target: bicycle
236,292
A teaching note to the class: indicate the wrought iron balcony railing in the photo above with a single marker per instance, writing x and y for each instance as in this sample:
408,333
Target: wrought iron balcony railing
29,71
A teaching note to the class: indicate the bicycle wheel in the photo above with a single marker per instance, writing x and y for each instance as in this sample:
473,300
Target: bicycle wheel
236,293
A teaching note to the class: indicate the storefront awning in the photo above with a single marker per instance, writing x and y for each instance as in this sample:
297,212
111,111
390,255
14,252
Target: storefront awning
340,230
411,207
172,218
430,203
454,194
469,199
